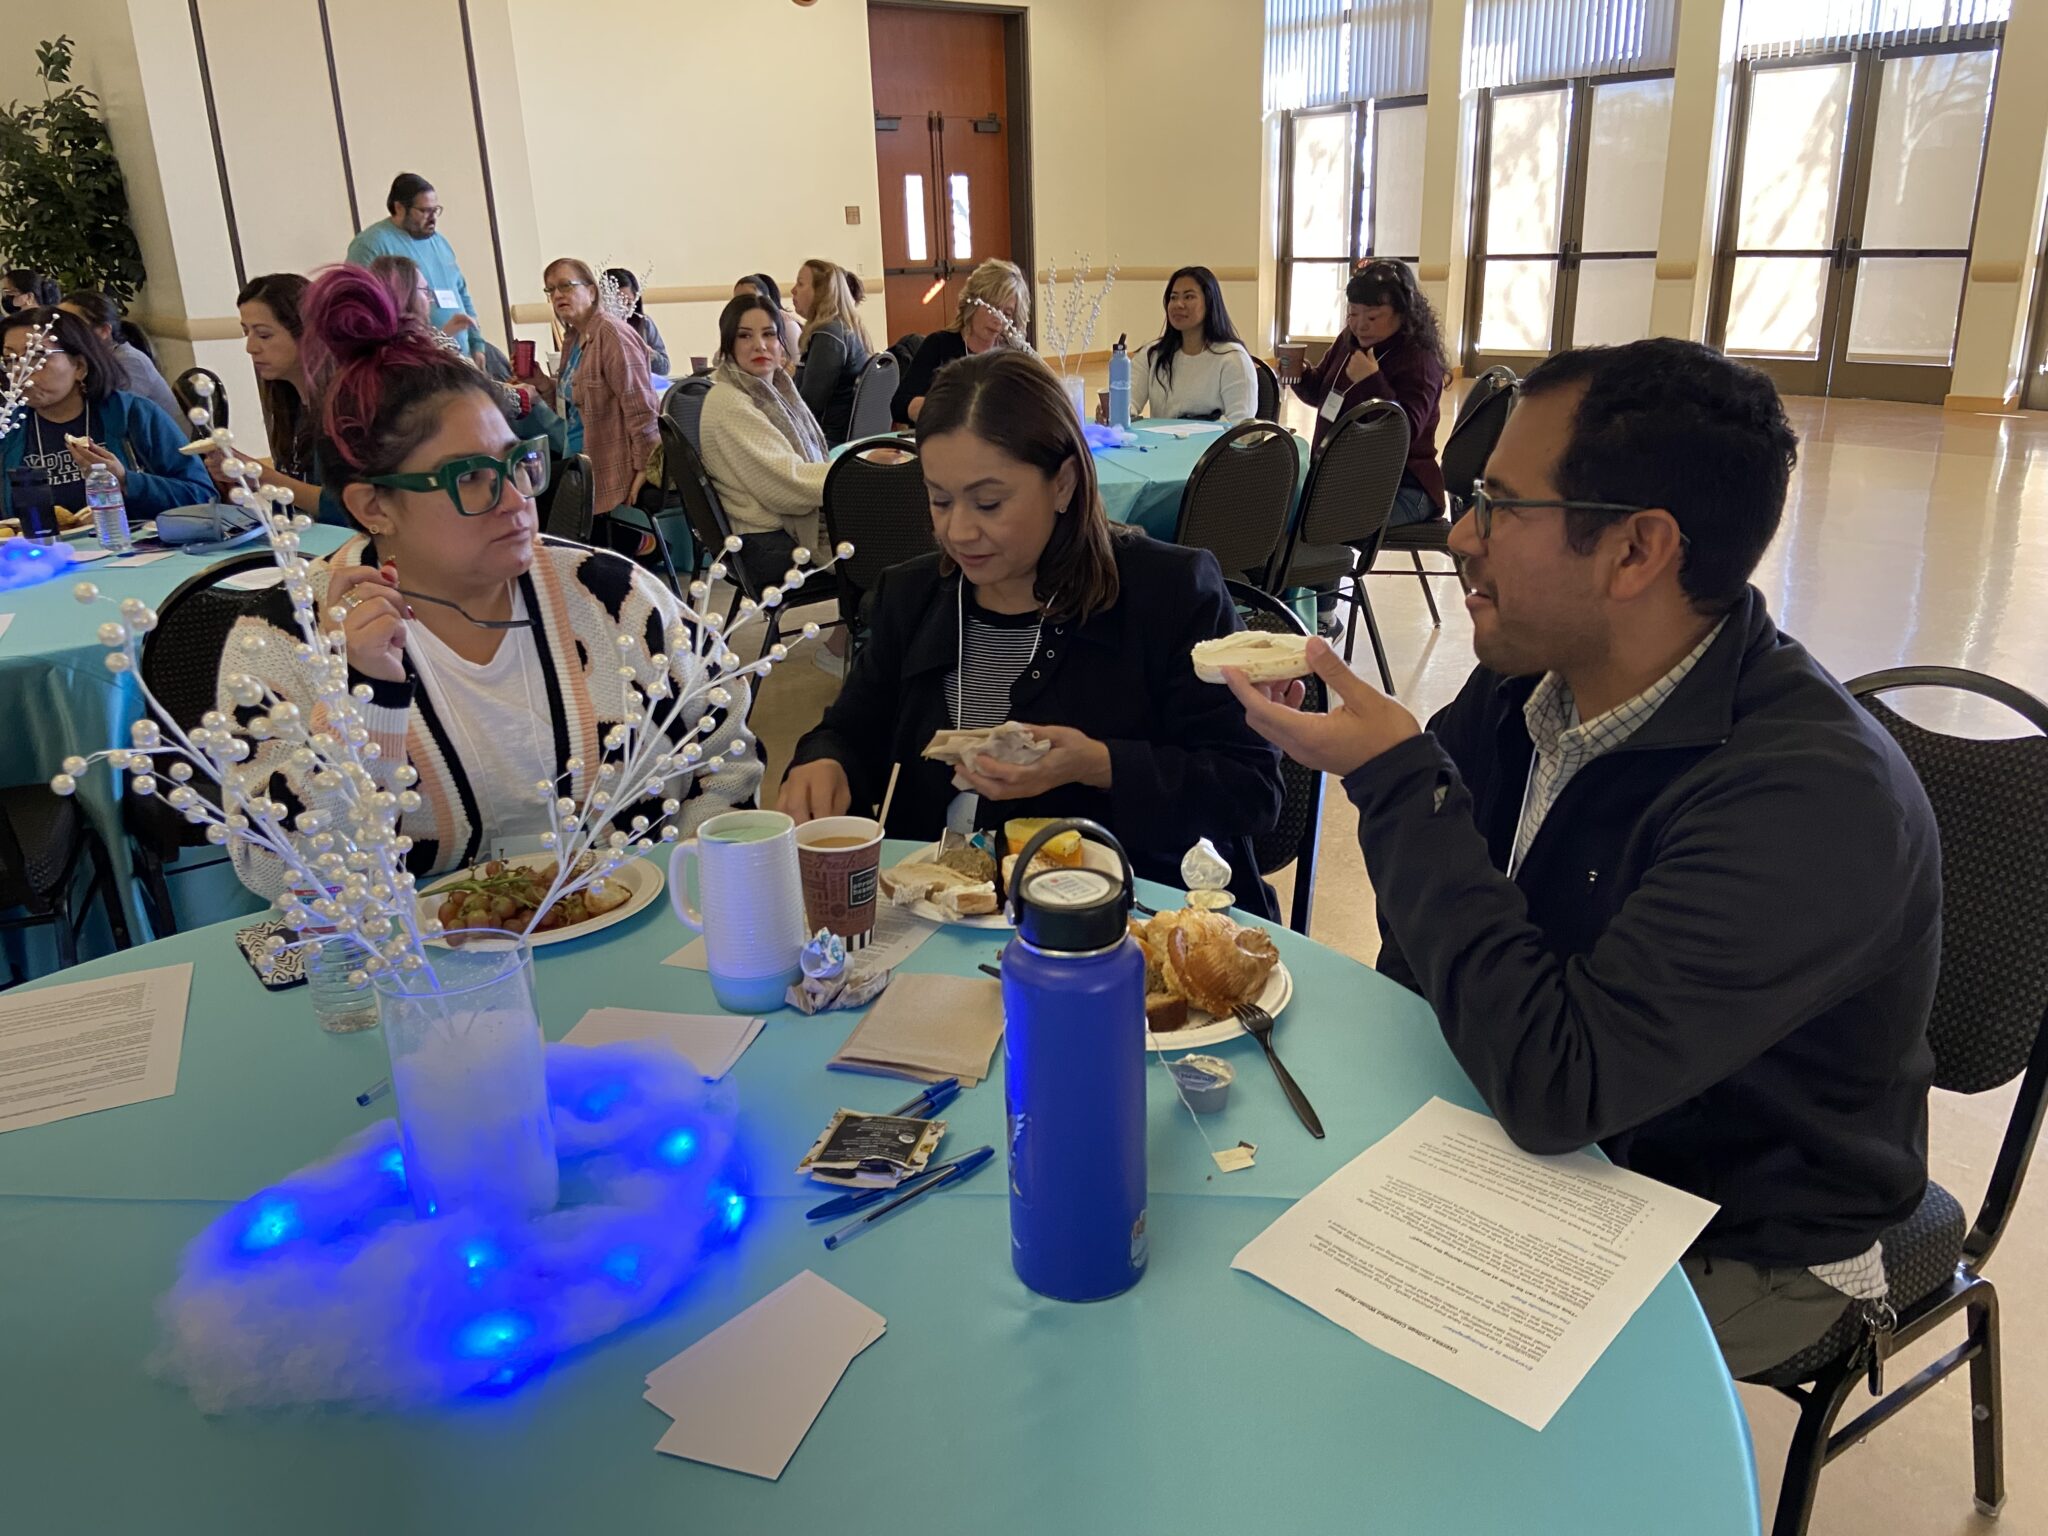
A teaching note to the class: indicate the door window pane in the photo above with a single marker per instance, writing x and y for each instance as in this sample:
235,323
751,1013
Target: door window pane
1514,311
1774,305
1315,297
1613,303
1525,174
1321,185
1625,149
1792,159
913,217
1906,309
1931,111
1397,182
962,215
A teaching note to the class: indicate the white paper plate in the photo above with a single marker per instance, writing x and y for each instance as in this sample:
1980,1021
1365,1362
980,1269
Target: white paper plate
1093,856
641,876
1205,1030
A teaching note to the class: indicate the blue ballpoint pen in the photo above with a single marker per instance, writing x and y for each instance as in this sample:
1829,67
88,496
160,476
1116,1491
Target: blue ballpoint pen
861,1199
935,1095
965,1168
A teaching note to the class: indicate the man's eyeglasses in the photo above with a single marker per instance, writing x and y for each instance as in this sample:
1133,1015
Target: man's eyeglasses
476,483
1484,504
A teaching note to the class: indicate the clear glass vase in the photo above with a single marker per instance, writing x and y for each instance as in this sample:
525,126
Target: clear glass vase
1076,387
469,1074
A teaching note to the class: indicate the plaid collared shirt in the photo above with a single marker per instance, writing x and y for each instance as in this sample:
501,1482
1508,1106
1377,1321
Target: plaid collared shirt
1564,744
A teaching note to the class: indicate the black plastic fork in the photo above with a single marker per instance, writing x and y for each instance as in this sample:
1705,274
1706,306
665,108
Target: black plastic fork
1259,1025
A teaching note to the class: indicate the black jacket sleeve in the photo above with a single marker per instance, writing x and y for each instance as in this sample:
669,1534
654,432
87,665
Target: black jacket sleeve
817,377
657,349
1204,766
936,350
858,730
1698,973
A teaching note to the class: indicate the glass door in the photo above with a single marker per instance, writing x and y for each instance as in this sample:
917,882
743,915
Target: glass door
1570,201
1850,208
1321,191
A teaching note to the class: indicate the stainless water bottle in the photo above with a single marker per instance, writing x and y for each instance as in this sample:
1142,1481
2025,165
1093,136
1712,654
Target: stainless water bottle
1074,1068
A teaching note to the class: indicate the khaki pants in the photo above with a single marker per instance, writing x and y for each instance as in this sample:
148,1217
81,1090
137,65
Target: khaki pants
1763,1317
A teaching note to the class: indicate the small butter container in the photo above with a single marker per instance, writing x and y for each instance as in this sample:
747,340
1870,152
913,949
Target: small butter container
1204,1082
1210,901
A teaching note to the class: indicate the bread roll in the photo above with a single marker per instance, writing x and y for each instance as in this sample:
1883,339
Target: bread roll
1263,658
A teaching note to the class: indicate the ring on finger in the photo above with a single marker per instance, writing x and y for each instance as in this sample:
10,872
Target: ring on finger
354,600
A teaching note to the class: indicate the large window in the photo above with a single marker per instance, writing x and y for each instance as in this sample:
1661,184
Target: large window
1353,190
1570,194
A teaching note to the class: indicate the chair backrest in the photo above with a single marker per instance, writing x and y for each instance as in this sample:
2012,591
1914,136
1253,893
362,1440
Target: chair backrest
1350,489
1990,800
181,655
1269,390
687,481
1301,808
683,404
1476,430
188,397
1237,500
873,395
879,508
571,510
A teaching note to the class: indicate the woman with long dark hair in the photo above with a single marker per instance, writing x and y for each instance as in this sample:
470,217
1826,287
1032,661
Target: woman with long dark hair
1198,368
1037,609
269,307
1392,349
761,285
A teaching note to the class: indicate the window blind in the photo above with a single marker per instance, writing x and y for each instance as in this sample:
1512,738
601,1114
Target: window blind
1517,42
1389,48
1780,28
1306,65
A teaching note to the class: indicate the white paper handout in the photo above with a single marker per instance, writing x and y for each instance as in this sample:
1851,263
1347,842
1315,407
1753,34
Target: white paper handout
745,1395
91,1045
1505,1274
712,1041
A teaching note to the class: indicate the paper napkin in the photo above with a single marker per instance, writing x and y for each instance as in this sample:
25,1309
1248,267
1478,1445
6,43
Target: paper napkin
927,1028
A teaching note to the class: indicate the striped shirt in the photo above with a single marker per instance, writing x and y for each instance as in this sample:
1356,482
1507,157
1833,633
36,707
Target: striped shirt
1564,744
995,648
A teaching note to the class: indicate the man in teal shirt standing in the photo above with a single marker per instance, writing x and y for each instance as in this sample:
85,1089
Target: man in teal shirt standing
411,231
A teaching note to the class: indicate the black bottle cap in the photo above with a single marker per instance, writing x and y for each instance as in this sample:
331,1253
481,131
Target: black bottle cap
1071,911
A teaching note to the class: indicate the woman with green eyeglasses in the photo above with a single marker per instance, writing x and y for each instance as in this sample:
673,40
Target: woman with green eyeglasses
490,656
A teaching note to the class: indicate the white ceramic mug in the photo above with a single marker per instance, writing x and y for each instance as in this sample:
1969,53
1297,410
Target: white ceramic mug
752,905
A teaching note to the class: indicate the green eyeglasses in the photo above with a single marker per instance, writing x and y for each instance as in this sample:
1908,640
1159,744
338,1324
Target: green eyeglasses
476,483
1484,504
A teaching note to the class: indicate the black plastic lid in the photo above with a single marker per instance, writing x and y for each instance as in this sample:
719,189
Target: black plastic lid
1071,911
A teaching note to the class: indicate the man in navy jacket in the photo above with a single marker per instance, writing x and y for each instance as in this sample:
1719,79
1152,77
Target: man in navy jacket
1667,886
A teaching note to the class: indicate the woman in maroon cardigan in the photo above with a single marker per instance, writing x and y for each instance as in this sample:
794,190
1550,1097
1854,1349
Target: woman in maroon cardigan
1391,349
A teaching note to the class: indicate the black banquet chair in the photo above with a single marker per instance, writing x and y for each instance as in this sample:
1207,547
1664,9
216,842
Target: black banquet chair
1239,496
1295,837
181,666
683,404
44,839
570,511
1990,801
1269,390
873,396
1466,451
1345,504
881,508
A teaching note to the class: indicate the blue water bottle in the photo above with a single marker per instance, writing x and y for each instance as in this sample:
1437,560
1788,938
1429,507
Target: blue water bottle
1074,1067
1120,387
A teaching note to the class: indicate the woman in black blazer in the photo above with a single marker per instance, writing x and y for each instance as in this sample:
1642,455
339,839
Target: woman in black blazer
1037,609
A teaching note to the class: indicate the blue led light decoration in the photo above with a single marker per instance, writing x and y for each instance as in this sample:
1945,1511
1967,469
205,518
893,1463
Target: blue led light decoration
327,1288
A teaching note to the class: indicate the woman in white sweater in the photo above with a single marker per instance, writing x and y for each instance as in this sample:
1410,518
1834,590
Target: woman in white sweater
762,446
1198,369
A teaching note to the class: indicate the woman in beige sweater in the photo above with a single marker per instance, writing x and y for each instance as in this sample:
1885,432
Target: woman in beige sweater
762,446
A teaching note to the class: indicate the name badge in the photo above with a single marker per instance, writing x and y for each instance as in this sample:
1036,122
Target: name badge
447,298
1333,405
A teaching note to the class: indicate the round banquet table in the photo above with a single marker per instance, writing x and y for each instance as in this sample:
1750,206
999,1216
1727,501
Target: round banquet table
1199,1401
1143,483
57,695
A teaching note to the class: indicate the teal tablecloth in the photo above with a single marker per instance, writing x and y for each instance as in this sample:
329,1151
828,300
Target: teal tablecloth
1143,484
1201,1401
57,696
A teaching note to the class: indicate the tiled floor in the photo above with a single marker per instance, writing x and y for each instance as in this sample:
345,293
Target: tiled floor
1913,535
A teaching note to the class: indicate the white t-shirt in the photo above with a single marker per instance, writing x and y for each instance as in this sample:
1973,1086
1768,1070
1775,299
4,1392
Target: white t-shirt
496,714
1220,379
